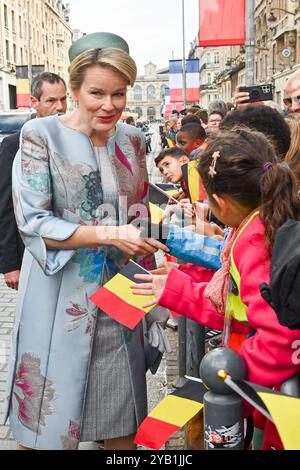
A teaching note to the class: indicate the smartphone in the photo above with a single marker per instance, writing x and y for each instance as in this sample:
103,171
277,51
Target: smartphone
259,92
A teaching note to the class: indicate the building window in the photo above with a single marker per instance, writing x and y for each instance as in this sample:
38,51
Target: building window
209,78
5,16
7,50
217,58
137,93
20,26
151,93
151,112
266,66
138,111
13,21
208,58
15,53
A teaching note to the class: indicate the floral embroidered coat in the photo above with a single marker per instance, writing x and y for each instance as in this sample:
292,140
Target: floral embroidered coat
57,186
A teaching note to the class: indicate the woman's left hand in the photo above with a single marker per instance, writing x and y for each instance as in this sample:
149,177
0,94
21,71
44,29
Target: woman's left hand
154,285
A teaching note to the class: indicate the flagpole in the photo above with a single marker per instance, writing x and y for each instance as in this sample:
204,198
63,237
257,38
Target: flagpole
250,43
183,58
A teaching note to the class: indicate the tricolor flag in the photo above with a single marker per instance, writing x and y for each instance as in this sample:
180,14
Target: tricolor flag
192,81
222,22
283,410
193,181
167,106
23,85
170,415
159,196
116,299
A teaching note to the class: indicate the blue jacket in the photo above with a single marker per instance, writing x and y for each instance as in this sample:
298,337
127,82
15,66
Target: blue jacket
195,248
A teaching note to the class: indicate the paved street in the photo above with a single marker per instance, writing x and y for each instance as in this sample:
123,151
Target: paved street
7,310
156,384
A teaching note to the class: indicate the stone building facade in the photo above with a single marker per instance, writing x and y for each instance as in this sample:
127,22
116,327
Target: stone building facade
47,35
277,53
146,96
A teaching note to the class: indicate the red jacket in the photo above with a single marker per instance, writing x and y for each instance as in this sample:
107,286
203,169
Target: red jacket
270,353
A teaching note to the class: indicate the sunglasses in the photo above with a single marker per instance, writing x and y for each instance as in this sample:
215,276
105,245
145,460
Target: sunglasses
288,101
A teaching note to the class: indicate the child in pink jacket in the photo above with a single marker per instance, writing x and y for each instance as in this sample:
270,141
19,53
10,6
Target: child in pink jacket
248,191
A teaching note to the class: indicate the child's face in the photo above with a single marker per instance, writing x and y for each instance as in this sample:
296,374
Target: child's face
186,142
227,210
170,168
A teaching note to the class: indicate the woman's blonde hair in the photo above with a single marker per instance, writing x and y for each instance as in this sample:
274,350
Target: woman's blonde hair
117,59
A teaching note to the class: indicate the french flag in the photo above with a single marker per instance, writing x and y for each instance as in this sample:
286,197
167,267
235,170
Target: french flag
192,81
167,107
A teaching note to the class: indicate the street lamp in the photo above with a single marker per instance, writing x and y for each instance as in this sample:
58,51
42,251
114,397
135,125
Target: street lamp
272,18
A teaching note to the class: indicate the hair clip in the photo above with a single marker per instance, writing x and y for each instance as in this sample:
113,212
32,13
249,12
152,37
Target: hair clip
267,166
212,169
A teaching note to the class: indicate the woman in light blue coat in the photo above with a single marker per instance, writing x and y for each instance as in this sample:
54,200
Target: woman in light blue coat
75,374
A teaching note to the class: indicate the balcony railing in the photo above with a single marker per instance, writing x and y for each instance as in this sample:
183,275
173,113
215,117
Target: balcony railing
212,65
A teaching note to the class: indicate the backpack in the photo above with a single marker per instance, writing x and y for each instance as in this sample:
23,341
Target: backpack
283,293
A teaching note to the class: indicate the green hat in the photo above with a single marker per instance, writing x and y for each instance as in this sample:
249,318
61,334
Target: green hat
97,41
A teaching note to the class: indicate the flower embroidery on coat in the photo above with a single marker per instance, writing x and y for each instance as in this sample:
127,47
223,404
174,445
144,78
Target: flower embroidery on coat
39,182
81,315
91,262
33,392
93,194
71,441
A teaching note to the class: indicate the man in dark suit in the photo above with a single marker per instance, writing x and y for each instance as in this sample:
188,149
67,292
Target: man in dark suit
48,97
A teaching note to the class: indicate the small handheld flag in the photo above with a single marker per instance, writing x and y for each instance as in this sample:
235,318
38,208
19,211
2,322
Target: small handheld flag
171,414
193,181
116,299
159,197
282,410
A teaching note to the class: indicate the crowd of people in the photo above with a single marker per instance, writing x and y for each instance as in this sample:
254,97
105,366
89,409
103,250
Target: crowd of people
75,373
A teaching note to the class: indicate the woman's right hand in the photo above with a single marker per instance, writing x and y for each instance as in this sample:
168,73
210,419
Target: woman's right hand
128,240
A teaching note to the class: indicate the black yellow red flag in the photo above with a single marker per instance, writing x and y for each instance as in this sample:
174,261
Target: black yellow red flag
116,299
159,196
283,410
193,181
171,414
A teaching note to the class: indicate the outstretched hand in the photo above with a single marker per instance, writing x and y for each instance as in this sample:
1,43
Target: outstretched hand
153,285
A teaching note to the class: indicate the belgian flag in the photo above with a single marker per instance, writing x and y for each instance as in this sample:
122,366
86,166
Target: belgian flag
170,143
159,196
282,410
116,299
193,181
170,415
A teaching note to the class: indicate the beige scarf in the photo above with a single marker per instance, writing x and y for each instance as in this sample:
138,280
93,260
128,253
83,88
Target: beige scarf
217,288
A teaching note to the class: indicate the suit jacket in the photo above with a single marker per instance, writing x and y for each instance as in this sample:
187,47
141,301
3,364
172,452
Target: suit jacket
11,245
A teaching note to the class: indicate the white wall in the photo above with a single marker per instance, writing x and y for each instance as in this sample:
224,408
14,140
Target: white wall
5,80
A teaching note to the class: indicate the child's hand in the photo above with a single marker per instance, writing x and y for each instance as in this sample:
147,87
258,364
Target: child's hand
188,208
209,229
165,268
176,196
154,285
201,210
